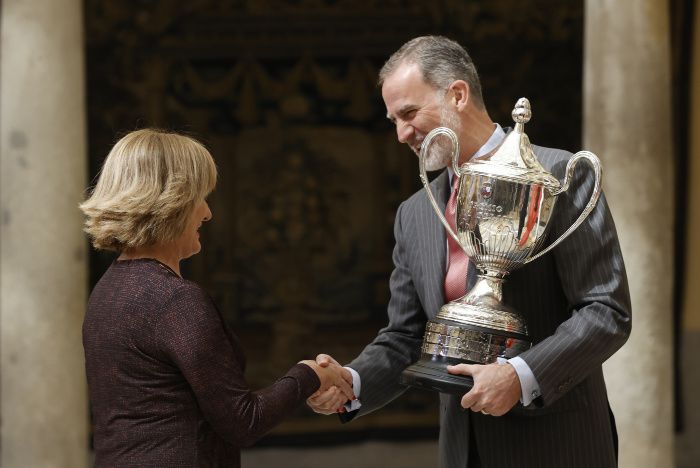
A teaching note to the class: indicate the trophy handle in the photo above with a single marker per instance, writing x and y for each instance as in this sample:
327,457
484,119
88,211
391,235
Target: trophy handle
594,162
427,141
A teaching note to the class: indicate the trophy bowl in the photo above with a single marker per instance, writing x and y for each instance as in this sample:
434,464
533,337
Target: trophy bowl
504,205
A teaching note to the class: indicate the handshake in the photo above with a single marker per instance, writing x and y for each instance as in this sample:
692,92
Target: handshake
336,385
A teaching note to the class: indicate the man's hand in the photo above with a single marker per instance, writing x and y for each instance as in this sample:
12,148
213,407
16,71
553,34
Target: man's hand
330,400
496,387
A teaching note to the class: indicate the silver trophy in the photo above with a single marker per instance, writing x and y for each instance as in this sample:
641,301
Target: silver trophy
503,210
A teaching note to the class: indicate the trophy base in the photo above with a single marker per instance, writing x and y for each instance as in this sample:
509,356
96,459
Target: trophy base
430,373
465,333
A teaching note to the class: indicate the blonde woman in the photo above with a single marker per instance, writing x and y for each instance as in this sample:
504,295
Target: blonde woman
165,376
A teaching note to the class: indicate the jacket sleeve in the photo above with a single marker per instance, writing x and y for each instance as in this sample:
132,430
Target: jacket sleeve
192,334
592,275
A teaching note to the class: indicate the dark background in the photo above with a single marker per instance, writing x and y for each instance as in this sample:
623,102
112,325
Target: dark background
283,93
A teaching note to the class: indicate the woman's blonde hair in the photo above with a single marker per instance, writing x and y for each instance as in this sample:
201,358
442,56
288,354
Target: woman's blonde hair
147,187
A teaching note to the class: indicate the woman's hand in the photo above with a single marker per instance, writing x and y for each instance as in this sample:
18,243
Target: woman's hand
330,400
333,375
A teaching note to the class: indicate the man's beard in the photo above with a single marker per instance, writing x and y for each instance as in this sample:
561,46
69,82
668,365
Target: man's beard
440,152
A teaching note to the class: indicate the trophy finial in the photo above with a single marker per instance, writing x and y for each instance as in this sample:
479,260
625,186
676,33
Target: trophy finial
515,158
522,112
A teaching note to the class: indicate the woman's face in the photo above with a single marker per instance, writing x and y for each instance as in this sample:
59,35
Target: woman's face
188,243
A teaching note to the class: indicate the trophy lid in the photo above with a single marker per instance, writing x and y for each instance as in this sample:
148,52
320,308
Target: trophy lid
515,160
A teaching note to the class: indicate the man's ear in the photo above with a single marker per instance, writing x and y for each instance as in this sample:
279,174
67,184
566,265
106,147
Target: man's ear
459,96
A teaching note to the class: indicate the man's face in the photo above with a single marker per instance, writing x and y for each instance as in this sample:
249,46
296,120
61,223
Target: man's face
416,108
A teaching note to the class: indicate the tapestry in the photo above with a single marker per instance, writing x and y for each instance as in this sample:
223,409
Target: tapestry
283,93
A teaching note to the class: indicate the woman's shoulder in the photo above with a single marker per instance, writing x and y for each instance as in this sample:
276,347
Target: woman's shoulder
190,292
185,295
147,271
153,282
188,312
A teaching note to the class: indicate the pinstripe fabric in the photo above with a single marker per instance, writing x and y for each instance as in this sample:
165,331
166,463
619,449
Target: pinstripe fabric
576,303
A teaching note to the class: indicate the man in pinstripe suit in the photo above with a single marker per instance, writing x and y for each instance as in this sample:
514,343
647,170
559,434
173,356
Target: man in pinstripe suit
547,407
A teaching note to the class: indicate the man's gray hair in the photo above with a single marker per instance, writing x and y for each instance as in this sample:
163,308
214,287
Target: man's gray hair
440,60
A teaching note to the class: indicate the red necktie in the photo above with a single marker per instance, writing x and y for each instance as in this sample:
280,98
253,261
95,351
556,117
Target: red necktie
456,277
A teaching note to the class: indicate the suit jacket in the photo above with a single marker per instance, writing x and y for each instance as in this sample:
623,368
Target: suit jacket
576,303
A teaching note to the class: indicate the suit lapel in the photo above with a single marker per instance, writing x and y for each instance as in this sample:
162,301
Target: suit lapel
434,255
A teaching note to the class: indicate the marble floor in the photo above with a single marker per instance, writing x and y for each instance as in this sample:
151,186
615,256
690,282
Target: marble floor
410,454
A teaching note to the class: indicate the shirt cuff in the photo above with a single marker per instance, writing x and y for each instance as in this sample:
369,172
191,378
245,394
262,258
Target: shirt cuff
529,387
356,386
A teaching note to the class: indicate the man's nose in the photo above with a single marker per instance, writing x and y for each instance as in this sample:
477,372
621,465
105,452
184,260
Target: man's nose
404,132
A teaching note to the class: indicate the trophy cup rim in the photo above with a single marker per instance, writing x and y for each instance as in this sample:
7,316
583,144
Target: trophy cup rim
511,173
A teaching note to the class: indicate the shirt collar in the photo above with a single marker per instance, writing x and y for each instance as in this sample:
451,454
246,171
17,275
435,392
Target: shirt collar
491,144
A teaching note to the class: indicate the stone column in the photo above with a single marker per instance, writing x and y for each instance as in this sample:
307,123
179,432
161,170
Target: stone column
43,266
687,447
691,299
627,123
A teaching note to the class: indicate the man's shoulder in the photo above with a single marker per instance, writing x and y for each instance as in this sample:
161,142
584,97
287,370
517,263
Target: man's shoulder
552,159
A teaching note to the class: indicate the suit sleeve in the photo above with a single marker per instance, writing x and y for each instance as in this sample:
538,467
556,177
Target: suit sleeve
592,275
192,335
398,344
